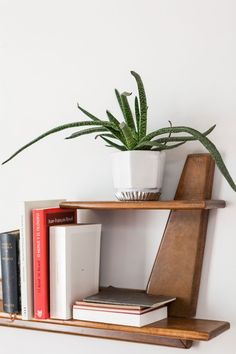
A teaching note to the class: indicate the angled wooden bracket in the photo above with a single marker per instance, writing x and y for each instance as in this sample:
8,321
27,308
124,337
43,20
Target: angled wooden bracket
177,267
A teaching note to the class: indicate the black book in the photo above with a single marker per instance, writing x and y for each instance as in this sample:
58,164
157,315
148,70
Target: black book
9,244
128,297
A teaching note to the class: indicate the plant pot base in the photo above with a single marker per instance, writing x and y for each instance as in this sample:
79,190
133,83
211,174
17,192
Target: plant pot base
132,194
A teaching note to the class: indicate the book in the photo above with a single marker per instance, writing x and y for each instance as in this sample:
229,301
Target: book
112,308
0,288
74,266
128,297
26,252
42,219
9,245
125,318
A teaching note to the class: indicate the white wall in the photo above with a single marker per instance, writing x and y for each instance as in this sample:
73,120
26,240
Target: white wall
54,53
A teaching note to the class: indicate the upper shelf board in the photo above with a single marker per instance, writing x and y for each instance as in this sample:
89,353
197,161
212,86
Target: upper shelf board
146,205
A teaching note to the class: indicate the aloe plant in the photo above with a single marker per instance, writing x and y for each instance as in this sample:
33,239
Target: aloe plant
131,133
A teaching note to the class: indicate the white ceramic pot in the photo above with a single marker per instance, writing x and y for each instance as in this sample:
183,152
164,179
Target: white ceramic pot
138,175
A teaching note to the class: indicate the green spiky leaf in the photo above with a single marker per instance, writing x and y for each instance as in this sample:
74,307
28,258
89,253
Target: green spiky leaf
117,134
143,105
114,145
155,146
88,114
106,135
128,116
127,94
137,113
112,119
118,97
148,143
205,142
168,147
184,138
85,132
128,136
58,129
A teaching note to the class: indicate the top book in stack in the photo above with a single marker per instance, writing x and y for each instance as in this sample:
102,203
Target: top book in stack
128,297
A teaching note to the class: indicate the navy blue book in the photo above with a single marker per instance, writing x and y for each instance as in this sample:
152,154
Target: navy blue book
9,245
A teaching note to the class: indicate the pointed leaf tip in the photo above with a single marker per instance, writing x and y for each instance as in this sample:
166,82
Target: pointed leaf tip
125,93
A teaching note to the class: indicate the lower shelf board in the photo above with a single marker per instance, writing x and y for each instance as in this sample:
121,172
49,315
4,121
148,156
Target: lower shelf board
172,331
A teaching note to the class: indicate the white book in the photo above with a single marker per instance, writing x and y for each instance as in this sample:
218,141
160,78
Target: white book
74,266
26,252
125,319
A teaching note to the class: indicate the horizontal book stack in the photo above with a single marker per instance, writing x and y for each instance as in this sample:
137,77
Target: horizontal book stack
122,307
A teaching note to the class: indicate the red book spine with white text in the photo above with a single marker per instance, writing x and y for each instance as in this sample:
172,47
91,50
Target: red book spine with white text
42,219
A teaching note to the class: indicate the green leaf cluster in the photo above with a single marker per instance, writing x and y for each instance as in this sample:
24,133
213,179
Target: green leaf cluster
130,133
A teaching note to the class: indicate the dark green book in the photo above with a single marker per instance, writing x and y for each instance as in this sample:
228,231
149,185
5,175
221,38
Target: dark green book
128,297
9,245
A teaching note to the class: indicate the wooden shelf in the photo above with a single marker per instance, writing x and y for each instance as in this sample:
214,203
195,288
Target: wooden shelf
175,332
146,205
176,270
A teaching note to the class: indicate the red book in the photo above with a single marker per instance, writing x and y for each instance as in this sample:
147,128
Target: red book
42,219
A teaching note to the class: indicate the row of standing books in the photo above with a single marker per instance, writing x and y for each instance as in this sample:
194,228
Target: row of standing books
50,269
50,262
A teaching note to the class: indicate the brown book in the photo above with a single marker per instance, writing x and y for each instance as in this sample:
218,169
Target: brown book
128,297
108,306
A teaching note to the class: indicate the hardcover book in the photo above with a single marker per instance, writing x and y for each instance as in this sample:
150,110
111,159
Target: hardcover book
26,252
74,266
9,242
42,220
128,297
112,308
0,288
125,318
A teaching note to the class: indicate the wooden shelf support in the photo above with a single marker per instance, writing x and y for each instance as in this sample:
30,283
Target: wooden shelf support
178,264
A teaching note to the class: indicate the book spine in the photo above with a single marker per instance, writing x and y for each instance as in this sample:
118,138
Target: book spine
26,266
40,256
10,273
41,221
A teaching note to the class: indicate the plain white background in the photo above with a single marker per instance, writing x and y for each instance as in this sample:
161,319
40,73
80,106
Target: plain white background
55,53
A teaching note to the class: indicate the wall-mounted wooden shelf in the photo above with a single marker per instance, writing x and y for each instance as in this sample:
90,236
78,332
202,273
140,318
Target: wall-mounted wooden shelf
176,271
155,205
175,332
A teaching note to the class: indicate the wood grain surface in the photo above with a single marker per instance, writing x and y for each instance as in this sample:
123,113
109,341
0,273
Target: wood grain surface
178,264
152,205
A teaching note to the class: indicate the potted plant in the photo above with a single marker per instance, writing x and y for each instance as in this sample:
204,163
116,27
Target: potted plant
139,163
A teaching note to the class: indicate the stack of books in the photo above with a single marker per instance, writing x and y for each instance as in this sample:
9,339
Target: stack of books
50,262
123,307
